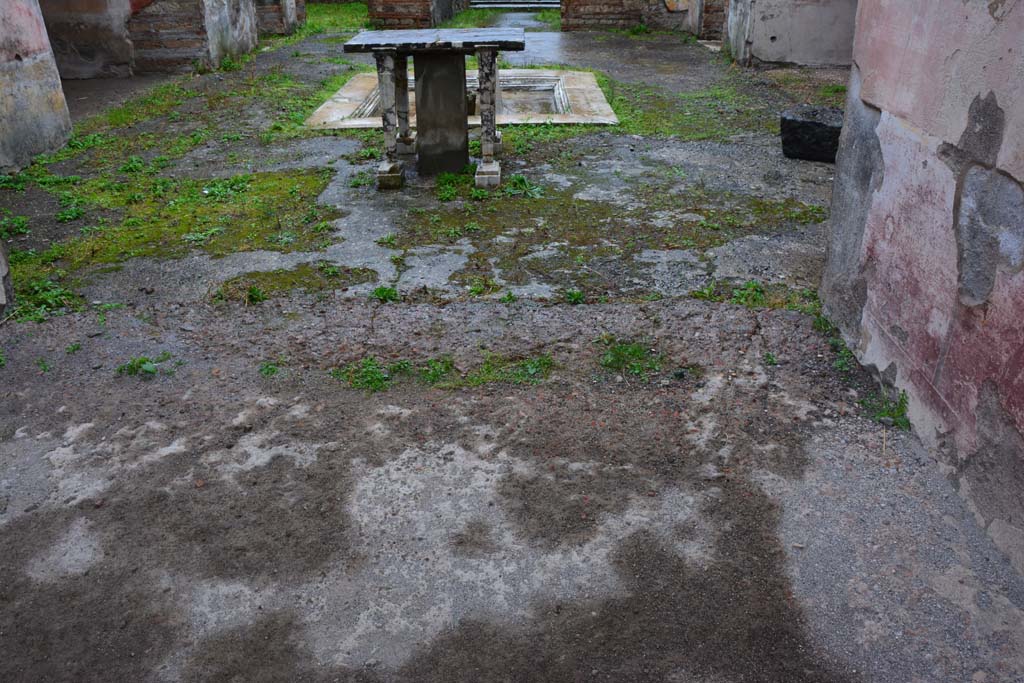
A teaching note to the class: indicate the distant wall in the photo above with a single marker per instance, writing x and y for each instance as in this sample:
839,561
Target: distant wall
925,272
280,17
393,14
33,115
178,35
89,37
677,15
812,32
713,22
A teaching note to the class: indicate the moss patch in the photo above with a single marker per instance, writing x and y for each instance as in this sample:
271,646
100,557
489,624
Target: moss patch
716,113
372,374
168,218
532,238
263,285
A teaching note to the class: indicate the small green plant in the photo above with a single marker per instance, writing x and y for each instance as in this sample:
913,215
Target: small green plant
385,294
328,269
708,292
361,179
254,295
824,325
845,361
750,294
102,309
508,298
446,193
43,365
40,298
227,188
574,297
520,186
639,30
284,238
630,358
390,241
436,370
11,225
269,369
3,359
370,374
71,213
505,370
481,285
143,365
887,411
770,360
479,194
201,237
72,348
135,164
229,63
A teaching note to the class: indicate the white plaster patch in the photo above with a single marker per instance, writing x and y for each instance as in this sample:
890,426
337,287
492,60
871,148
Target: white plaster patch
298,411
415,583
255,450
72,433
76,550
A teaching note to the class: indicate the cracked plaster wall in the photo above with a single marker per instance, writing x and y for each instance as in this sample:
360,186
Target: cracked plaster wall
925,273
813,32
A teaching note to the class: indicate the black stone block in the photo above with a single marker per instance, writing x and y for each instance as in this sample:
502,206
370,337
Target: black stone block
811,133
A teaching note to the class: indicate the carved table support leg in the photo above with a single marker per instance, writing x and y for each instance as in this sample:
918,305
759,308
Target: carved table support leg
390,173
488,174
406,143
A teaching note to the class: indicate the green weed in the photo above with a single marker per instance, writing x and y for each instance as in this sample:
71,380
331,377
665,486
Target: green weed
143,365
883,409
630,358
385,294
751,294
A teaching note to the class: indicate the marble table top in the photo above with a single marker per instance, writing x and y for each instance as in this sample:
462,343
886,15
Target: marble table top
440,39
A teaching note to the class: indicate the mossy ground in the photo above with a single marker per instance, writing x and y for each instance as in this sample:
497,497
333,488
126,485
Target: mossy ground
121,196
311,278
508,230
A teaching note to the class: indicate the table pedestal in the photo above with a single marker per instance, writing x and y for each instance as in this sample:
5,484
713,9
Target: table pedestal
442,140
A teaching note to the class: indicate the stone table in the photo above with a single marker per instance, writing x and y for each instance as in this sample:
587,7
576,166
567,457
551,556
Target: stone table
442,132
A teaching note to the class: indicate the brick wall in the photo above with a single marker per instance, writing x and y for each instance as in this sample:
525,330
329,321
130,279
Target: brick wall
401,13
679,15
391,14
713,25
179,35
169,35
580,15
280,17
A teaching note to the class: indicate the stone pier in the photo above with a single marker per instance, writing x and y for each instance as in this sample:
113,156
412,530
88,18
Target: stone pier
33,114
925,273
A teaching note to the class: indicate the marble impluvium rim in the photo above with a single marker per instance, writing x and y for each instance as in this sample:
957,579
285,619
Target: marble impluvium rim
576,99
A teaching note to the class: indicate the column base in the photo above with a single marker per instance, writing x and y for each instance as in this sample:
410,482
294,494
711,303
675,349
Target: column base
407,146
491,149
390,175
488,174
